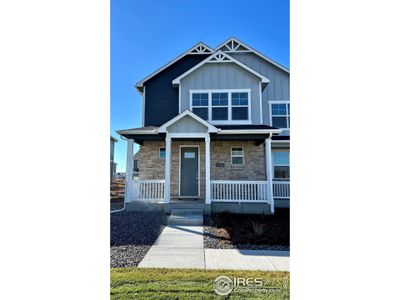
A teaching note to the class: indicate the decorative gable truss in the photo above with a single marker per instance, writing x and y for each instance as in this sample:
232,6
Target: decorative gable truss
201,49
233,45
221,57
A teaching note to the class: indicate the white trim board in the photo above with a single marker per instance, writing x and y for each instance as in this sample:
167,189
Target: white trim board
198,170
249,49
220,57
199,48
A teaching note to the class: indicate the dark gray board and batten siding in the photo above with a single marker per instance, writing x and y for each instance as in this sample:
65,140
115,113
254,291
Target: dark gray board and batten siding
161,98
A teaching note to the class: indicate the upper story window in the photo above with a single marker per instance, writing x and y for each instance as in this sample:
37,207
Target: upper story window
222,106
280,114
219,106
240,106
200,105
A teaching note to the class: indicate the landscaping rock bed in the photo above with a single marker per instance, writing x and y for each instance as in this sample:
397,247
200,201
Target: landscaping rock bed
237,231
132,235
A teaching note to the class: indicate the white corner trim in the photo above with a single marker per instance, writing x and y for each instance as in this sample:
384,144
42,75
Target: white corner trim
197,46
143,104
220,57
240,43
164,127
261,104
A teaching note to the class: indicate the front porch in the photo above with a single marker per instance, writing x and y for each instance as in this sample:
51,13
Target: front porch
189,162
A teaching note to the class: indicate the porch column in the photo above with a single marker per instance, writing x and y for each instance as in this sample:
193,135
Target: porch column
167,168
268,161
129,171
208,181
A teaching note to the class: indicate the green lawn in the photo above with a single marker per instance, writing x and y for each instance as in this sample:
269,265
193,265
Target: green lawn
134,283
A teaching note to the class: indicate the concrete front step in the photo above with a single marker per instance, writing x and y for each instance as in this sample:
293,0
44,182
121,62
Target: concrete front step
187,217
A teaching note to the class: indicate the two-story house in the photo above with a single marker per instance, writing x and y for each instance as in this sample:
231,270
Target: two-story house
215,134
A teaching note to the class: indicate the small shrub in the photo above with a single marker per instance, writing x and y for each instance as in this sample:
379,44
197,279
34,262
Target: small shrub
258,229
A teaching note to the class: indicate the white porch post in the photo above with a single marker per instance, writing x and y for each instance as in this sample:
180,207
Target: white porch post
268,161
129,170
208,182
167,168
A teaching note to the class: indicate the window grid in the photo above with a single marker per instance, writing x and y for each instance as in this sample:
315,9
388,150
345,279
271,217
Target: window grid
237,156
280,111
244,102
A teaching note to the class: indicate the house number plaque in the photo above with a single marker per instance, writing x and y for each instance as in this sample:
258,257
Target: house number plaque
220,165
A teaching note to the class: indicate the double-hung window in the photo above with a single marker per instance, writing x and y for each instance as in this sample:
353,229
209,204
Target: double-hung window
280,115
280,160
200,105
240,106
219,106
237,156
222,106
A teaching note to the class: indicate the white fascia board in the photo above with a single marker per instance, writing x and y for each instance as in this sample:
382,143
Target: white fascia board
140,83
264,79
164,127
128,131
249,131
255,52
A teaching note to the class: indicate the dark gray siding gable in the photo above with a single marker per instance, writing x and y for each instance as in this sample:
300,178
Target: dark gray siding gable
161,98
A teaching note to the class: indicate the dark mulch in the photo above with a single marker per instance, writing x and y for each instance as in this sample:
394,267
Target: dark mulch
228,231
132,235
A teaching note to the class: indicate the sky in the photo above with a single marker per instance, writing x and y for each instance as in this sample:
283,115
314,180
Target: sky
145,35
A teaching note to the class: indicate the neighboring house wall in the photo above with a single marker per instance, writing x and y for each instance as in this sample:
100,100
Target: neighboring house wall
252,169
161,98
277,89
222,76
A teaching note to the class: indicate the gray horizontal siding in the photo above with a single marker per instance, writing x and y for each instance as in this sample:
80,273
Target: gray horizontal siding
222,76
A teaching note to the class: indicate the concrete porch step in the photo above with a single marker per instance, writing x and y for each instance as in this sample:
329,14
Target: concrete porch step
187,217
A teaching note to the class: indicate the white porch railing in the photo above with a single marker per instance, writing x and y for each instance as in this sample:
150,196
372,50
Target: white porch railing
281,189
148,189
239,191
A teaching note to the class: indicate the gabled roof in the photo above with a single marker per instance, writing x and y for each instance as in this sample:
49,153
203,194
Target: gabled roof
199,48
164,127
232,45
220,57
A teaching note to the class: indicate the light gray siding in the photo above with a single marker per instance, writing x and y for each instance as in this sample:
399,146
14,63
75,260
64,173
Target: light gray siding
277,89
222,76
187,124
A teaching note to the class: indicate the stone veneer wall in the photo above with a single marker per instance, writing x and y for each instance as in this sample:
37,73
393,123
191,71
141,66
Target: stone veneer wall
254,161
153,167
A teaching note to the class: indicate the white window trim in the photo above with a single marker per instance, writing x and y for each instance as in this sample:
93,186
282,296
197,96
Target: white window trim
280,165
232,156
159,152
229,91
270,112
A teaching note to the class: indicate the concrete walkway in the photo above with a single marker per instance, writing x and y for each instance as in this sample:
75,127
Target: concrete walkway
182,247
